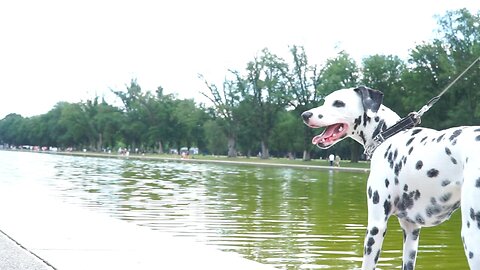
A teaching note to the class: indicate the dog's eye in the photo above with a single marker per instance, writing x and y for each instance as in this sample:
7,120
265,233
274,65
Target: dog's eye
338,104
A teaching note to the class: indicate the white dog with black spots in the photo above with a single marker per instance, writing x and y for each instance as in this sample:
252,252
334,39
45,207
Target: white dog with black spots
420,175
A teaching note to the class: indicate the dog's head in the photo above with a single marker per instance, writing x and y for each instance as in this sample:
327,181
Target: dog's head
341,114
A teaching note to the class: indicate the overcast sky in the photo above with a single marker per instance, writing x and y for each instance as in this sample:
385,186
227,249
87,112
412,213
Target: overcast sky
53,51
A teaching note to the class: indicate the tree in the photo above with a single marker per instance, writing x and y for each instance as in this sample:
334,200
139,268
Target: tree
215,137
224,102
265,88
459,32
339,72
303,81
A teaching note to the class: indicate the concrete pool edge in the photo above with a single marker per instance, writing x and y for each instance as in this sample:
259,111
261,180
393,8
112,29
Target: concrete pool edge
214,161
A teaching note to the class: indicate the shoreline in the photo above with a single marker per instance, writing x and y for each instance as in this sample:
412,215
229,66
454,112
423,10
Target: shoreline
213,161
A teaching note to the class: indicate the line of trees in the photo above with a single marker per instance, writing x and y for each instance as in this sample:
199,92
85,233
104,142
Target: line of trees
257,110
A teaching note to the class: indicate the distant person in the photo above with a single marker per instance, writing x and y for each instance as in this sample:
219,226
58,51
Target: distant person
331,158
337,161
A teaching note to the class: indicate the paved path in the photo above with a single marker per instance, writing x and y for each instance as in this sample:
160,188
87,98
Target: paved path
70,237
15,257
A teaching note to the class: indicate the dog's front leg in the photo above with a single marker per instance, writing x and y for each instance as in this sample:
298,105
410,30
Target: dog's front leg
411,234
376,230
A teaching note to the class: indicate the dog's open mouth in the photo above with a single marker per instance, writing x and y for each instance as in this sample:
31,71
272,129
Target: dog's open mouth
330,135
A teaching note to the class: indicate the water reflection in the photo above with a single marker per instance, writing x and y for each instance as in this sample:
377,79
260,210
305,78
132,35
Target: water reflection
291,218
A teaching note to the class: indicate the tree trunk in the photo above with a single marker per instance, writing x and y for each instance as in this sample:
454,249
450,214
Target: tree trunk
232,151
355,152
306,155
99,142
307,143
265,154
160,147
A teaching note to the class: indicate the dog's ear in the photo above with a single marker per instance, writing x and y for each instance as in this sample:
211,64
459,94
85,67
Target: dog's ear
371,98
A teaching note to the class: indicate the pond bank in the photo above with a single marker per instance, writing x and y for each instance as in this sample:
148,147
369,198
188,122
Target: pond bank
268,163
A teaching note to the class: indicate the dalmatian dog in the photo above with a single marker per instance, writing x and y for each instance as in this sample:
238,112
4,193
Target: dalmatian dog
420,175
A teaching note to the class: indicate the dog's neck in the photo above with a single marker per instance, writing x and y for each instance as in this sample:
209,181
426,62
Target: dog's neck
366,126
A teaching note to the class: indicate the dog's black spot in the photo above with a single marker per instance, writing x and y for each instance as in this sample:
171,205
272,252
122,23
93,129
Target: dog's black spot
374,231
468,224
376,197
396,180
470,255
412,254
338,104
432,173
387,183
453,160
433,210
448,151
417,194
366,119
320,116
445,197
390,159
406,202
362,136
386,152
440,138
369,192
447,182
378,128
423,139
416,131
357,122
455,134
410,150
408,265
419,165
398,168
477,138
395,155
387,206
405,188
377,119
415,234
410,141
370,241
377,256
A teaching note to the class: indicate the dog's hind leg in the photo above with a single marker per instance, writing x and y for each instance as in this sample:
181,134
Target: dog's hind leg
411,234
470,207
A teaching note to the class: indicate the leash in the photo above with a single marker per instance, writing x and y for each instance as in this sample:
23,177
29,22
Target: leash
412,119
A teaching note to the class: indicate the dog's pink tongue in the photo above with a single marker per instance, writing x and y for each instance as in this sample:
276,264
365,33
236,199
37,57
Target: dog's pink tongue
327,133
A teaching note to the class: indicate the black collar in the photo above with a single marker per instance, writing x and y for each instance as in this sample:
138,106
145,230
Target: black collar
407,122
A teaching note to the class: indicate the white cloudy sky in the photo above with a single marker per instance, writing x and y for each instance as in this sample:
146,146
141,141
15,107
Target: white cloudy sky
63,50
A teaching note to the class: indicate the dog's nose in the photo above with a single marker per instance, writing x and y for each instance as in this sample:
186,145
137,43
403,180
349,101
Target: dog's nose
306,116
